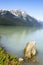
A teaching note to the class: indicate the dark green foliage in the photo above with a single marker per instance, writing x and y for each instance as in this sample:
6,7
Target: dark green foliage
6,59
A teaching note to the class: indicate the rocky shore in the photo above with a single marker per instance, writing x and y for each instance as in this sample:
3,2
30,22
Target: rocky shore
30,51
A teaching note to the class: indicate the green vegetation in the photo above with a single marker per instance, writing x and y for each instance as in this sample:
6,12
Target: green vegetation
24,50
6,59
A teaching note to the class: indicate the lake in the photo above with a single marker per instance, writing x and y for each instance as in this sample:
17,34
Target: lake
14,39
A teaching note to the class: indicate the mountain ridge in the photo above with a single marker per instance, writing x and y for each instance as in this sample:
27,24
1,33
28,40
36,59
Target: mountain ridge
17,18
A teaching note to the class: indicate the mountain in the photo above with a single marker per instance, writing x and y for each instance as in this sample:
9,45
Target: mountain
41,23
17,18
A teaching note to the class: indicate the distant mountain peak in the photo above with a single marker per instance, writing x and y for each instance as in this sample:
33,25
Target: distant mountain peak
17,17
18,12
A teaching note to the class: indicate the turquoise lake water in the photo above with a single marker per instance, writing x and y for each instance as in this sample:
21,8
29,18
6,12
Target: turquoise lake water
14,39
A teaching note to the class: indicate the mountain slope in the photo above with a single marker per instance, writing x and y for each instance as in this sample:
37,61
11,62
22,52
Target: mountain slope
17,17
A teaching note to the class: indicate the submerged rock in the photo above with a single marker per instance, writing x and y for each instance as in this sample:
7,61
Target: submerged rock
30,49
35,60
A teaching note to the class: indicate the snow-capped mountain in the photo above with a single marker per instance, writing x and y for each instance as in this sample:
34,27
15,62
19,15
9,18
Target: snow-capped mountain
17,17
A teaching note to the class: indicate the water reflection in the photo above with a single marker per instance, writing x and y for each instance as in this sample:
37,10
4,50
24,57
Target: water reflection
13,39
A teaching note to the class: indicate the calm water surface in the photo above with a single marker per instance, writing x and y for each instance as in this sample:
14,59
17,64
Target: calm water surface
14,39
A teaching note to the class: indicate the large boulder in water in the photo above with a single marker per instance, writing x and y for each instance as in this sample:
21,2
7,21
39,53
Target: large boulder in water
30,49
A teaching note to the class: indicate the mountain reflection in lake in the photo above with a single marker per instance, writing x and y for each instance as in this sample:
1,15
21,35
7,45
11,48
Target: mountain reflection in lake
14,39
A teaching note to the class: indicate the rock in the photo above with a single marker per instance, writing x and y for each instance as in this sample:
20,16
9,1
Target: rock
20,59
30,49
35,60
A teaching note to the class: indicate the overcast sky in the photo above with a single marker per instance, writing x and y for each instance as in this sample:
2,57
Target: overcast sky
32,7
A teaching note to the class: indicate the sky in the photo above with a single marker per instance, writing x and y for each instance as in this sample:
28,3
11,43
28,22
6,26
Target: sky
33,7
